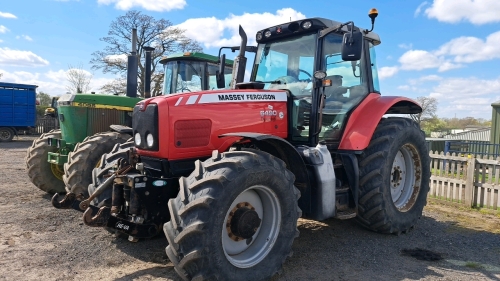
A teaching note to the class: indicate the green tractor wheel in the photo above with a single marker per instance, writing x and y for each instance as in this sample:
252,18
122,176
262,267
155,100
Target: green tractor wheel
42,174
85,157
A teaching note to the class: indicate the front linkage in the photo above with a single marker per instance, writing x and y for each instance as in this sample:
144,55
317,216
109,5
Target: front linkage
134,208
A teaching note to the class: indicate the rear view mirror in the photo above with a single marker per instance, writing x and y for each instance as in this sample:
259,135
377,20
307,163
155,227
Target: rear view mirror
352,46
219,75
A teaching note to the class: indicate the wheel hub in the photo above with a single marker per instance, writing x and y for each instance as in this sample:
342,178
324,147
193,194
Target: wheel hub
243,222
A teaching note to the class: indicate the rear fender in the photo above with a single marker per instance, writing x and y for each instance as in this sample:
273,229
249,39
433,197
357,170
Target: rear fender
283,150
364,119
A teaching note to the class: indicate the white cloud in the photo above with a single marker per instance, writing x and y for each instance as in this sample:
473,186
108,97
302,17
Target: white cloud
116,58
51,82
472,49
466,96
419,60
3,29
20,58
387,71
419,8
475,11
212,33
1,40
25,37
150,5
406,46
7,15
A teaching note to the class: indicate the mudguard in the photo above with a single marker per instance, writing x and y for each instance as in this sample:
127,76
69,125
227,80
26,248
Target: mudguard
365,118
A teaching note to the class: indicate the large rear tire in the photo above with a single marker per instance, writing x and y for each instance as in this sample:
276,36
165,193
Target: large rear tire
44,175
85,157
214,233
394,177
6,134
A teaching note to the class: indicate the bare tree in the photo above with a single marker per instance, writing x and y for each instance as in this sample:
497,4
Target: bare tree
78,79
159,34
117,87
429,107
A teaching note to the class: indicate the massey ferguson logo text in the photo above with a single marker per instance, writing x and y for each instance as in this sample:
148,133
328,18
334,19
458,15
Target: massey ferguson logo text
247,97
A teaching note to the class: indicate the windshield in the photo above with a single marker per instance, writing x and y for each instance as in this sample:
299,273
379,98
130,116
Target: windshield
286,64
183,76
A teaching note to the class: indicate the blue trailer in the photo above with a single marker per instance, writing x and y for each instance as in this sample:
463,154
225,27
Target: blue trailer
17,109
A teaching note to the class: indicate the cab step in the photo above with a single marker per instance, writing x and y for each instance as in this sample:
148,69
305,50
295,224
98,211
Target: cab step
346,214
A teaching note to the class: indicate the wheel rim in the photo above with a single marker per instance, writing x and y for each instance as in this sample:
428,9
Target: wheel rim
259,200
405,178
5,135
57,170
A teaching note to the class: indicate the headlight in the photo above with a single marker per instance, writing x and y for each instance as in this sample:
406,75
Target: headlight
137,139
150,140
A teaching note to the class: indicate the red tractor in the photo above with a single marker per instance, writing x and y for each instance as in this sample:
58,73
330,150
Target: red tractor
227,173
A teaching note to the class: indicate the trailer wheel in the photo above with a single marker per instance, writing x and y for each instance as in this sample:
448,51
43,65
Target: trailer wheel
44,175
235,218
85,157
6,134
394,177
106,165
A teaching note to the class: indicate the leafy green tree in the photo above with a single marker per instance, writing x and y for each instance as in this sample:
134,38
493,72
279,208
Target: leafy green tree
44,99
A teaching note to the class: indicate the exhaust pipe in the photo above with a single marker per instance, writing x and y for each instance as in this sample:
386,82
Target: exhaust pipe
240,62
147,75
132,65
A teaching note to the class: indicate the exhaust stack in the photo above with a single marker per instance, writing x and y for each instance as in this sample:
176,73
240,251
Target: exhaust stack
147,75
132,65
240,62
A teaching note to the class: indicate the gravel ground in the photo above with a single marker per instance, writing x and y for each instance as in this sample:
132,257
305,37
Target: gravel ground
38,242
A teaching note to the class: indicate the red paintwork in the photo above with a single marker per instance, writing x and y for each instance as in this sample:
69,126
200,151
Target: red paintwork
226,117
365,118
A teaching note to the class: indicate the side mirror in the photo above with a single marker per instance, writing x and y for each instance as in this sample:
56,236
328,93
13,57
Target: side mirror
352,46
219,75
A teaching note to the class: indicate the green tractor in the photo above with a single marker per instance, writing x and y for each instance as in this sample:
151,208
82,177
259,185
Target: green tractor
62,160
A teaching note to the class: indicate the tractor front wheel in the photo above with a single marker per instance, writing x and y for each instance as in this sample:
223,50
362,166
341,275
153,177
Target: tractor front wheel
44,175
85,157
235,218
394,177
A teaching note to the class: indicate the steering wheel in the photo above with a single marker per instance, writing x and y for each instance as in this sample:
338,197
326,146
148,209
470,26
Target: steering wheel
306,73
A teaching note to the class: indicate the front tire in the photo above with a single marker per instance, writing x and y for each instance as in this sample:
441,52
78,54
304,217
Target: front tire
86,156
235,218
44,175
394,177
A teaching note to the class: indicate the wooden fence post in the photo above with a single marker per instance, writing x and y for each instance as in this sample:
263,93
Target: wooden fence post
469,182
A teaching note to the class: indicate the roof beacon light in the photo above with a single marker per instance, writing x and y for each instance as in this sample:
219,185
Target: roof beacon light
373,13
187,54
306,25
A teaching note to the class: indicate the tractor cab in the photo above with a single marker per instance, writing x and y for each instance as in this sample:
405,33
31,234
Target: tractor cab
192,72
305,58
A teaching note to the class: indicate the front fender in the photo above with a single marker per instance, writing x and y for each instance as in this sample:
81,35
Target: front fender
364,119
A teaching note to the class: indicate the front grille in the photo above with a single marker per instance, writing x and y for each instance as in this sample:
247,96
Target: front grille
146,122
100,119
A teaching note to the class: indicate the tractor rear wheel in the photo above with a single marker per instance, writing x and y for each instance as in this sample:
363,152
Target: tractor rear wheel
44,175
394,177
6,134
85,157
235,218
106,165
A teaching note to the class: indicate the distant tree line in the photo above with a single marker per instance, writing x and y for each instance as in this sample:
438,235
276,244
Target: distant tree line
430,122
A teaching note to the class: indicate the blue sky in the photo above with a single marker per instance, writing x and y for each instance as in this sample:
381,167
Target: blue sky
447,49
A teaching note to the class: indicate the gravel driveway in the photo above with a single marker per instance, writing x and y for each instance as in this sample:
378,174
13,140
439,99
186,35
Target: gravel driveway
38,242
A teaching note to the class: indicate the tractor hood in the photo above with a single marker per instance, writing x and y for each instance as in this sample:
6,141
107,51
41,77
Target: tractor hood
189,125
